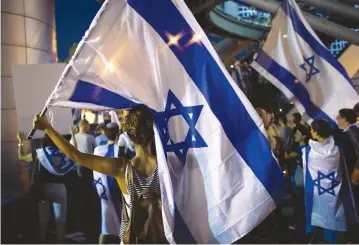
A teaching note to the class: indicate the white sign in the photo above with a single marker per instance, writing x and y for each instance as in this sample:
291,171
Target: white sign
33,84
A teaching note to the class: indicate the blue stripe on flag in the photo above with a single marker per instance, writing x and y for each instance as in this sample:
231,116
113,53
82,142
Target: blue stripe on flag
249,141
86,92
240,128
317,47
297,88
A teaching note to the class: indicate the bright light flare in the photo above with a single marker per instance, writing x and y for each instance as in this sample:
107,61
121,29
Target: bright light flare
173,39
280,109
111,67
196,38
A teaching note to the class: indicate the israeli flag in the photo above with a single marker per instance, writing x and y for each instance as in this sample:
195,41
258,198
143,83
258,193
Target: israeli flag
114,117
329,201
54,160
76,116
298,64
110,218
218,176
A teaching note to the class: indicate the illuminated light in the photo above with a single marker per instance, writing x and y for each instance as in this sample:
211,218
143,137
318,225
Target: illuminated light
111,67
291,102
232,66
284,172
285,36
280,110
196,38
173,39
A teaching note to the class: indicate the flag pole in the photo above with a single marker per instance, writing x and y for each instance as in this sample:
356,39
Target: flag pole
77,51
32,132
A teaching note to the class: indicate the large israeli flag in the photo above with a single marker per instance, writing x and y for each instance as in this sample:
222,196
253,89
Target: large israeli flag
297,63
218,176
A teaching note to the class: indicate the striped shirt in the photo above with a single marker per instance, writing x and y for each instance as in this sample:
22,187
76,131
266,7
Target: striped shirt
140,183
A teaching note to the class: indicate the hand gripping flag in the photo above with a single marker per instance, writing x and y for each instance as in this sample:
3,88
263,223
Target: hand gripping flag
298,64
218,176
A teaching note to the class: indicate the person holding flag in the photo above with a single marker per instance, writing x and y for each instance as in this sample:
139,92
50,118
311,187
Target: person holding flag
154,53
51,171
138,179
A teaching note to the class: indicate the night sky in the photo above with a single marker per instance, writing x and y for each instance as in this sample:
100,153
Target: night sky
73,18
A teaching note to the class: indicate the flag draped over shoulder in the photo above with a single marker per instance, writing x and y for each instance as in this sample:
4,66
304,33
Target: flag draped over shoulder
110,212
329,201
298,63
54,160
218,176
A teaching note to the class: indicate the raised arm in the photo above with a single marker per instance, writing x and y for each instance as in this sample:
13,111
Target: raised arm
20,151
109,166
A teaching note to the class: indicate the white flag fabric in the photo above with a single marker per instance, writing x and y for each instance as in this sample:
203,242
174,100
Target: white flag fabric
329,200
218,176
54,160
114,117
297,63
110,220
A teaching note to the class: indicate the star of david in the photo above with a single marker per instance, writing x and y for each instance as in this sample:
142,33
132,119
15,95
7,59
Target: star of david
55,152
99,182
191,114
334,183
312,69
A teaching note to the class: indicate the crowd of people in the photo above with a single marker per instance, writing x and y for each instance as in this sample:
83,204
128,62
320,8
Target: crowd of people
118,161
304,151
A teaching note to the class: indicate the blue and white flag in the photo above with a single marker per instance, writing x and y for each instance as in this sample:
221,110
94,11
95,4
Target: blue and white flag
237,76
218,176
110,218
329,201
54,160
76,116
298,64
114,117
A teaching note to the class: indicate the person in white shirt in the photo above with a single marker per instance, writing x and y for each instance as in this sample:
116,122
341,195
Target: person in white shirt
108,190
85,142
83,189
